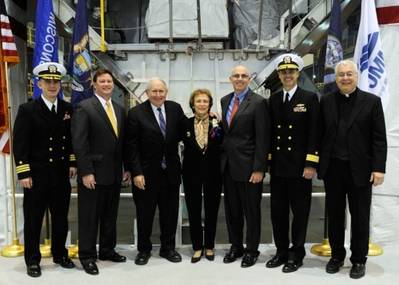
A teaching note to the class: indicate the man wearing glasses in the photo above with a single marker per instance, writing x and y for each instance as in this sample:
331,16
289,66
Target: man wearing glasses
246,125
352,159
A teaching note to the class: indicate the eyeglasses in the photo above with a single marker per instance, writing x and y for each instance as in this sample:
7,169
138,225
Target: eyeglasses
237,76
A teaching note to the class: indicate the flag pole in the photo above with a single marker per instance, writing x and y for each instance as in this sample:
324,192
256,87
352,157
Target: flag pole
102,12
323,248
15,249
73,250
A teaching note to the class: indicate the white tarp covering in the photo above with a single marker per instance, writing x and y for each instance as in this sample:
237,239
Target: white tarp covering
214,19
385,207
246,21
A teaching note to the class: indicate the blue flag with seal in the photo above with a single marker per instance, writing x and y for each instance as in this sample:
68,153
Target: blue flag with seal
369,56
46,39
334,52
80,66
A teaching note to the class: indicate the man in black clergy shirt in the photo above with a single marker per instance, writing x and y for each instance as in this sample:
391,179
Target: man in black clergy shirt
294,158
352,160
246,126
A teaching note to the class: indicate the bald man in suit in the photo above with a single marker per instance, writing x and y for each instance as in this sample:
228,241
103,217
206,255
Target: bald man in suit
153,133
246,126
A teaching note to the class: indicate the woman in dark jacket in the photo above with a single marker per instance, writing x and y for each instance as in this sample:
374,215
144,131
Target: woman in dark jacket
201,173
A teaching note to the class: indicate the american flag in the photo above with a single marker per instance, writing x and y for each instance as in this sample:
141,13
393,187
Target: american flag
8,54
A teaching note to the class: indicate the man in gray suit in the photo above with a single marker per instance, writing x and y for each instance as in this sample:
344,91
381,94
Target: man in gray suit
97,135
246,125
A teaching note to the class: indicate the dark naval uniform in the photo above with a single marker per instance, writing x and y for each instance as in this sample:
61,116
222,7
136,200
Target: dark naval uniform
43,151
294,147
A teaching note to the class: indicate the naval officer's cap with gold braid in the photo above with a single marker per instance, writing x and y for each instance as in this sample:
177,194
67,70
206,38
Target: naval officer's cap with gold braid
50,70
289,61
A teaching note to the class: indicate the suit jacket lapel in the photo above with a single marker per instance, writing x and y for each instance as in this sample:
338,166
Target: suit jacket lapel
243,105
43,109
61,110
210,140
169,119
295,98
152,119
192,131
119,117
225,107
359,103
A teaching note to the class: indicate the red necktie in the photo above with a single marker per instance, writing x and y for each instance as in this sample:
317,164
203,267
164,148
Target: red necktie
235,108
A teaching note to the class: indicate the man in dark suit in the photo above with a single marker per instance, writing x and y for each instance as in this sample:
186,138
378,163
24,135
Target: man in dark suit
44,163
246,125
294,157
153,134
352,159
98,136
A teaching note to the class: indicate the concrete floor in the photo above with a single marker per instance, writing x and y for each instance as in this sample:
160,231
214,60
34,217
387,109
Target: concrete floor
381,270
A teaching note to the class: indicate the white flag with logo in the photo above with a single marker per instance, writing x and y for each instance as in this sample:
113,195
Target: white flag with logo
369,56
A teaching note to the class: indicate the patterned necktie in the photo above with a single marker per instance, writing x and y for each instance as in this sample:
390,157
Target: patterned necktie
111,117
235,108
162,126
201,131
53,109
162,123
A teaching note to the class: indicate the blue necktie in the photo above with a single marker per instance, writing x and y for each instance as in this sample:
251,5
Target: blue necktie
162,125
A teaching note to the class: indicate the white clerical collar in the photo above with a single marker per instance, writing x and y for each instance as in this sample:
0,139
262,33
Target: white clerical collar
348,94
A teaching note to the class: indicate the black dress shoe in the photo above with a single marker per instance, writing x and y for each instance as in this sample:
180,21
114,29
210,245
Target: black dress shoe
171,255
64,261
210,257
90,267
333,265
358,270
232,255
142,257
195,259
249,259
292,266
34,270
276,261
114,257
